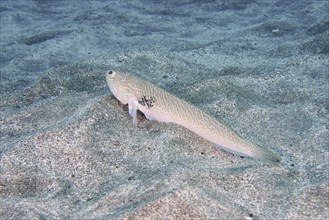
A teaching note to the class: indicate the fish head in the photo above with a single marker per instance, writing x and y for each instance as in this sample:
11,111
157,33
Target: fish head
120,85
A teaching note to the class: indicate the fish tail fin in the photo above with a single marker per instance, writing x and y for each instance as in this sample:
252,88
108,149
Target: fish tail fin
266,155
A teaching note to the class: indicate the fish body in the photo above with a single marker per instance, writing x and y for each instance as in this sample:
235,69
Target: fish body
157,104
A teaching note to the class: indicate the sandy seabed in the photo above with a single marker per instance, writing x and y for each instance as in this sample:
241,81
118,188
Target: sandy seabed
69,149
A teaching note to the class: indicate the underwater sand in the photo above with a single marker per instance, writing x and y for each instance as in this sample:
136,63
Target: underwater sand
69,149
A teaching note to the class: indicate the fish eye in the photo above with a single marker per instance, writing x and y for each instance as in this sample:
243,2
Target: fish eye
111,73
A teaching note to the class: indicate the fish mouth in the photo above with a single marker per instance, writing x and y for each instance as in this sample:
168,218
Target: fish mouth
109,80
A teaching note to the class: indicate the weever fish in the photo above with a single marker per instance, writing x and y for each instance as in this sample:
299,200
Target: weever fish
157,104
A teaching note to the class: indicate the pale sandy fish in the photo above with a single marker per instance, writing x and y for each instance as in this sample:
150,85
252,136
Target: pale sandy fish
157,104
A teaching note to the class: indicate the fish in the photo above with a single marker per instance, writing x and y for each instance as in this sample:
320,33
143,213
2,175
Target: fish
159,105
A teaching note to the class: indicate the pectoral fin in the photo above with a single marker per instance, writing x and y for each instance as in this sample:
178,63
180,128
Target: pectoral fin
132,104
